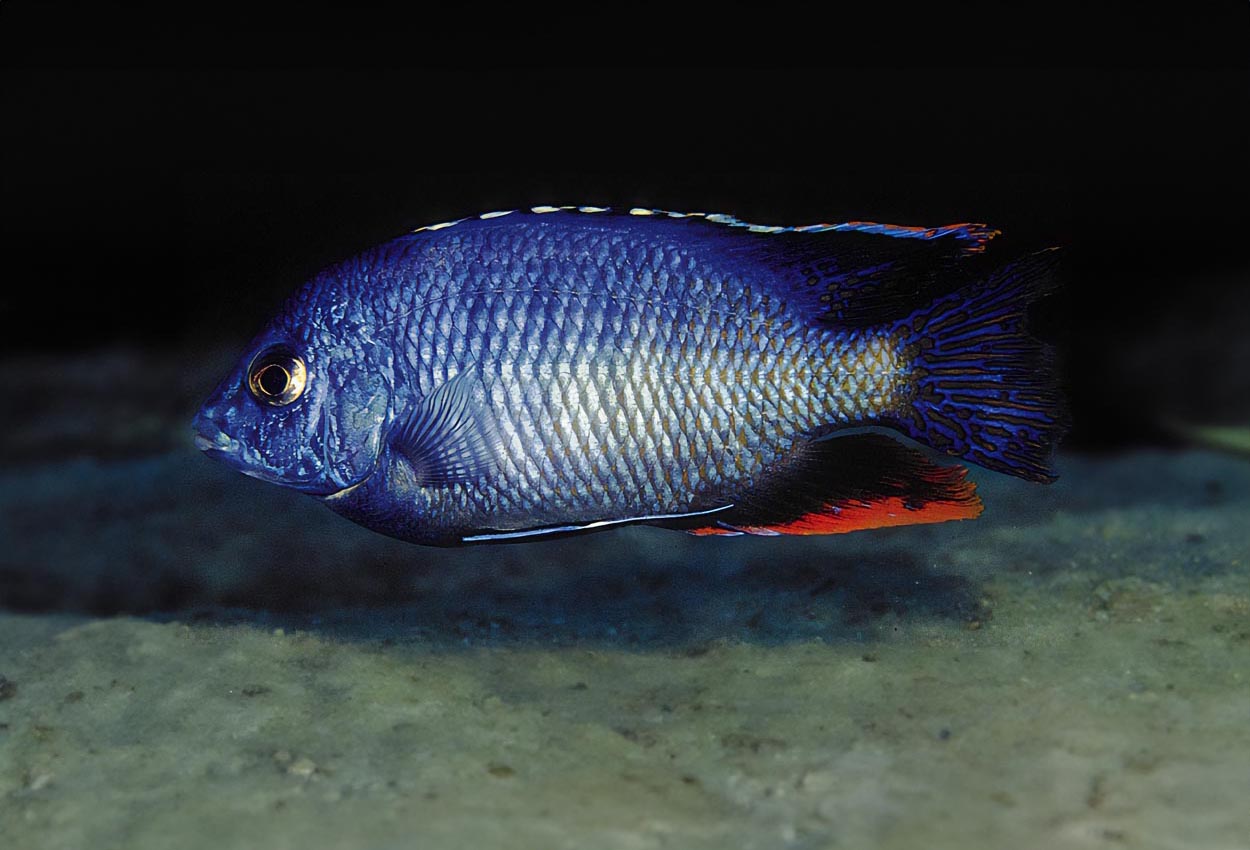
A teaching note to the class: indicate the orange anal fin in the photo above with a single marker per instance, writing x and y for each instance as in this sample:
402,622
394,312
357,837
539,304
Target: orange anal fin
850,484
714,531
839,519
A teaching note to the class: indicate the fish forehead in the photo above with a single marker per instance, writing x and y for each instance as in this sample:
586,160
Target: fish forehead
629,369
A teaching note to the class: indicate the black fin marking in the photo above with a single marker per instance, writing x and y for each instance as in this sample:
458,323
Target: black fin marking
985,390
449,438
858,278
846,484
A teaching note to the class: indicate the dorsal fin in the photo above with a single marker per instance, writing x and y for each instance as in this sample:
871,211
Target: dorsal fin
854,273
856,278
970,238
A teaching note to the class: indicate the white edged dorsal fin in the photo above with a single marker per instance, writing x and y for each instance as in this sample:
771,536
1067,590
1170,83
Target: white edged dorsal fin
975,235
971,237
449,437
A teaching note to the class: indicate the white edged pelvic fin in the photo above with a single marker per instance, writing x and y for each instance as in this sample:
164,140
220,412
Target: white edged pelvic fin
597,525
450,437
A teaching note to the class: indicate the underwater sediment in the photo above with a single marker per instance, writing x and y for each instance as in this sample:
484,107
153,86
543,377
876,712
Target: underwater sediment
193,658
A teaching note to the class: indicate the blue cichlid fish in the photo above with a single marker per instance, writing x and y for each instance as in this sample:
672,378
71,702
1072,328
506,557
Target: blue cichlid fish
532,373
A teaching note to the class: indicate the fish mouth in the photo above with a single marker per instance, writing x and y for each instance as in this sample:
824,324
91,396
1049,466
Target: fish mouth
220,446
213,441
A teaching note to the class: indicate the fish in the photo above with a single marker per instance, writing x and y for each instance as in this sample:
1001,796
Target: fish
530,374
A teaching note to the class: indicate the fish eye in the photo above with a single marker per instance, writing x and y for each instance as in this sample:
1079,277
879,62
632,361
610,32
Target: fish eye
276,376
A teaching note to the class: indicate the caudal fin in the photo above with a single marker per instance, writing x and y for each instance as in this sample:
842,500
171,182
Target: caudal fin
986,391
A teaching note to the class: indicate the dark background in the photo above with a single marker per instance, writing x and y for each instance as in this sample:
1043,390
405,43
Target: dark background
165,183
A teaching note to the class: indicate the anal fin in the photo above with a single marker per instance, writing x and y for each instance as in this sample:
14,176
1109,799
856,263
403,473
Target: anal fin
847,484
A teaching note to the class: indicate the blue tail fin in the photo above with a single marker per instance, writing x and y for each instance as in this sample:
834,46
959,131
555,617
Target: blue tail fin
985,390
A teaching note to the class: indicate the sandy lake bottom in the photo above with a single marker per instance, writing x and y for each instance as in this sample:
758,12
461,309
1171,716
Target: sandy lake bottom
194,659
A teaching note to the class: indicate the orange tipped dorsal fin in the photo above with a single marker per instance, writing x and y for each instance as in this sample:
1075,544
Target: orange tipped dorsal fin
849,484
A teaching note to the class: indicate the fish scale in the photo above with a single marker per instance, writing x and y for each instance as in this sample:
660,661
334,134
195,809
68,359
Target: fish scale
646,436
569,369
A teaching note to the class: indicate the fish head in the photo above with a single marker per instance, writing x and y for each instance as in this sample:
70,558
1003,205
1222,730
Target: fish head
305,408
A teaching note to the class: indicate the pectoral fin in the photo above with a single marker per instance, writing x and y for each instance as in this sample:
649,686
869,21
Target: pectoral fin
450,437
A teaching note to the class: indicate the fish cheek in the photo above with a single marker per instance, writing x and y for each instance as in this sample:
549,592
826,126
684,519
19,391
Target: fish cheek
353,435
277,448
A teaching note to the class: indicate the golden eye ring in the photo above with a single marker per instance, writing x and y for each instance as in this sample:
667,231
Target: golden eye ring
276,377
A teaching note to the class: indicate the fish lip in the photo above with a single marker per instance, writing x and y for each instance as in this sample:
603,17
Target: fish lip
213,441
206,445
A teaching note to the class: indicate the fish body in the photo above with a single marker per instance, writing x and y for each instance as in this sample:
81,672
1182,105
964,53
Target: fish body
525,374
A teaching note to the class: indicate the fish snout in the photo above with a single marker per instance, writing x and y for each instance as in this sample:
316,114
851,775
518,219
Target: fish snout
210,438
